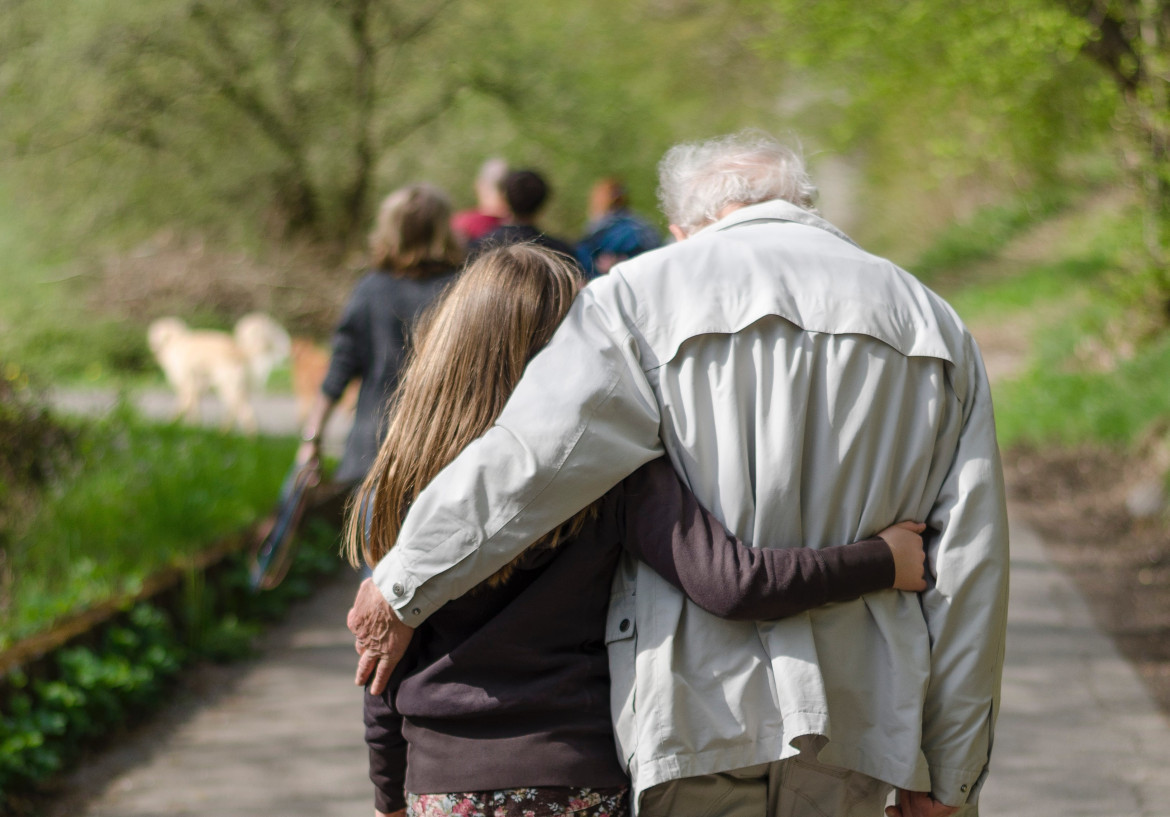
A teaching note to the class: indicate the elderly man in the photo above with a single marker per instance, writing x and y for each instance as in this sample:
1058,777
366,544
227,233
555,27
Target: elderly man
490,207
808,392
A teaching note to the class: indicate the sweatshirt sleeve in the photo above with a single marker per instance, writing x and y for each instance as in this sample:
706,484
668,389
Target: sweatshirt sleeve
351,340
666,527
387,746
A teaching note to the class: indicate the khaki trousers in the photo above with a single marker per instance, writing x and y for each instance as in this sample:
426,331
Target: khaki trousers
796,787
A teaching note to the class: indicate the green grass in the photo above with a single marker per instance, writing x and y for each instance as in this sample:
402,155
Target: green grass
145,496
987,232
1052,405
1060,399
139,496
1034,289
1080,292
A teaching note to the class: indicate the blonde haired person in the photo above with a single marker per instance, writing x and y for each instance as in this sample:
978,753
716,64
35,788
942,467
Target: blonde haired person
503,696
413,256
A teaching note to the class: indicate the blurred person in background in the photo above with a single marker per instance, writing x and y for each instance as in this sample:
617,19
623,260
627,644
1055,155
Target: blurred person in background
413,256
490,208
614,233
525,192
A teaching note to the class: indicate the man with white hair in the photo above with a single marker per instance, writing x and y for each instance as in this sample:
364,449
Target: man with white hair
490,207
808,392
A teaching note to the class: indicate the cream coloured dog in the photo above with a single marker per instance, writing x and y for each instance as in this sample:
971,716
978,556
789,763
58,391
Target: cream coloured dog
198,360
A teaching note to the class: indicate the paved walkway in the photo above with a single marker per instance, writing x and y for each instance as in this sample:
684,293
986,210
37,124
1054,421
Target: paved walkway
1078,733
276,414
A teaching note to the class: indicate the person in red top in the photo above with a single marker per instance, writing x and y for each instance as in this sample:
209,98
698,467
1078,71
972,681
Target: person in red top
490,210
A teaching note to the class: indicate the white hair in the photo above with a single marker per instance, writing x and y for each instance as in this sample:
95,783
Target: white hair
492,172
697,180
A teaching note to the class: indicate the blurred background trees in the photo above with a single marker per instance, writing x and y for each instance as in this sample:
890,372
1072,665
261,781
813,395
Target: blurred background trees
1024,93
291,118
264,126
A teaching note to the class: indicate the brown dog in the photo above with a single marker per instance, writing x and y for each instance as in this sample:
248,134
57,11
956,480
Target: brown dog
310,363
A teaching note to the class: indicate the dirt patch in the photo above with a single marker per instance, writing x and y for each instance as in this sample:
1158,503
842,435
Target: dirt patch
1076,499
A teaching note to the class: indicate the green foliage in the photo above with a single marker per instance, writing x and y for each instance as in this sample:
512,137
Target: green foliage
987,232
945,106
290,115
277,107
47,721
147,497
975,84
1056,404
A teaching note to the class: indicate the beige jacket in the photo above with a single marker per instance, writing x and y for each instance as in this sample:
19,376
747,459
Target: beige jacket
811,394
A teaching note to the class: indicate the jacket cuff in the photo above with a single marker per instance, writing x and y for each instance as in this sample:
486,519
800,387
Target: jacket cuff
956,787
401,590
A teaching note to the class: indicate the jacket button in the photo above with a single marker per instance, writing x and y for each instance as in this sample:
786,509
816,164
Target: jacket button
398,589
416,612
624,625
963,788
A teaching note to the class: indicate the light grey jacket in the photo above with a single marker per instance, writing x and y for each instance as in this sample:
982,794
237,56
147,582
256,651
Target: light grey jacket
811,394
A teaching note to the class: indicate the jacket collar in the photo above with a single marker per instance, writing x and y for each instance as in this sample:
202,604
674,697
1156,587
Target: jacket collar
774,210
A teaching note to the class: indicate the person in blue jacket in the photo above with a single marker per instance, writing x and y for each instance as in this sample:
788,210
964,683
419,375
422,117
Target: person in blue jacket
614,233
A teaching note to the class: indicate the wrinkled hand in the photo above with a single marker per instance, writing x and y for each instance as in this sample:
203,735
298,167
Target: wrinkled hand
918,804
380,637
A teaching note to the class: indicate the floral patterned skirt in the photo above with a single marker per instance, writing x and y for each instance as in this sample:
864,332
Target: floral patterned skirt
545,801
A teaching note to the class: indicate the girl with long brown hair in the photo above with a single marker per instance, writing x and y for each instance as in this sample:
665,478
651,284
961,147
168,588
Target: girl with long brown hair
502,700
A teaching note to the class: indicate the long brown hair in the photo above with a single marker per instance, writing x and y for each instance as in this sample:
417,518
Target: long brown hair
471,348
412,233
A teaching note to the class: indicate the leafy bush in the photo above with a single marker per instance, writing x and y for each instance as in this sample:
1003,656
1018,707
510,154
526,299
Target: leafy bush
93,690
145,497
47,721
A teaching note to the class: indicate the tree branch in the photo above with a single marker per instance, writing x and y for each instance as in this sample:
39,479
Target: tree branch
229,82
1114,48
